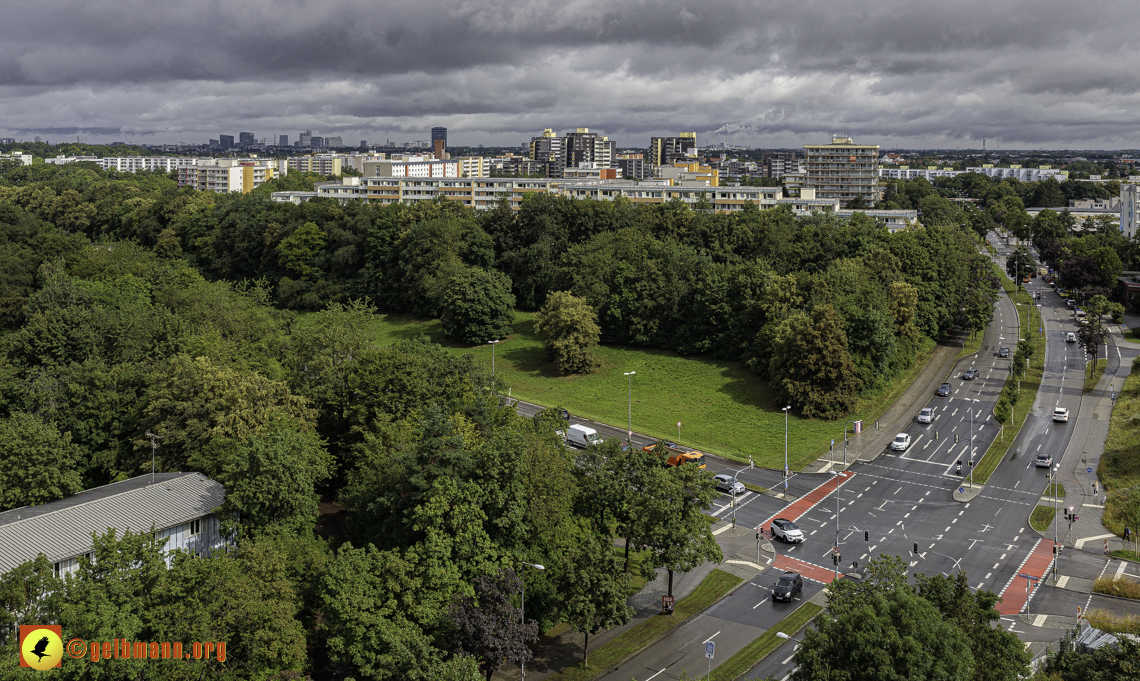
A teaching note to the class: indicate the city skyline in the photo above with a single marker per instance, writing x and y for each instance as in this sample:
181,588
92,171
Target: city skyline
1022,75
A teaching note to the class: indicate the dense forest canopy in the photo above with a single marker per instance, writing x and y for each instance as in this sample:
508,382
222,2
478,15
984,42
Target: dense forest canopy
129,306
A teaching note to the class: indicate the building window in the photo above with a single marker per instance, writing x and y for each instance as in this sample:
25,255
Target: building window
194,527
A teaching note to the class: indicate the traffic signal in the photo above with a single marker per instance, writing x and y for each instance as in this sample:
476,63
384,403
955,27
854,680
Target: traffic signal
866,535
835,558
916,548
1054,549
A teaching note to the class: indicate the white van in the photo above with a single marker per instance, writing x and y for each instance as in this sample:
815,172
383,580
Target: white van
581,436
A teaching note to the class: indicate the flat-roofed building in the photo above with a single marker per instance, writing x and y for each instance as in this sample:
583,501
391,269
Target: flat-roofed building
411,166
665,150
474,166
228,175
322,164
177,507
843,170
1129,207
1021,174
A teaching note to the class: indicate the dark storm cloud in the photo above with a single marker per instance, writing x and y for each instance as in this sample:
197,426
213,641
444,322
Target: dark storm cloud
497,71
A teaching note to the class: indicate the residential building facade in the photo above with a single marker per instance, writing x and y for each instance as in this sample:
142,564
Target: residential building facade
843,170
1129,205
666,150
227,175
1021,174
323,164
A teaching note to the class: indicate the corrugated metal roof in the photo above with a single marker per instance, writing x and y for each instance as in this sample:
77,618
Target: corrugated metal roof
62,529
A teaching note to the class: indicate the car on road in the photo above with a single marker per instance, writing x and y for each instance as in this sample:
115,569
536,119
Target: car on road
970,374
901,442
1071,303
926,415
1003,351
1061,415
725,483
943,390
1070,337
1043,460
787,587
787,531
1078,313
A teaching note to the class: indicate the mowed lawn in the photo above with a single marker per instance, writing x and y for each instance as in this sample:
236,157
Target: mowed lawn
722,406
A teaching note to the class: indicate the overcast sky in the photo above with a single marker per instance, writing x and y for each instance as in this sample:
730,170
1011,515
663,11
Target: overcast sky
914,73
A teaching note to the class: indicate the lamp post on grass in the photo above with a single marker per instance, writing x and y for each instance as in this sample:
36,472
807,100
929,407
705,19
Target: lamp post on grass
629,404
493,343
786,410
522,605
972,440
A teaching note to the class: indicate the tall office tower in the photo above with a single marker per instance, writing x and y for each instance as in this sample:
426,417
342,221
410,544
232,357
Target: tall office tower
226,141
316,142
246,139
439,134
583,146
664,151
283,141
363,144
843,170
306,138
334,142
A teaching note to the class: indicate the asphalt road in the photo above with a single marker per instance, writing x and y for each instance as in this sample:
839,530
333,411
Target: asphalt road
905,498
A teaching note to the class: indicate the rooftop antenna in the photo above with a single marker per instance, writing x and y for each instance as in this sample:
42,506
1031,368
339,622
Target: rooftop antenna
153,447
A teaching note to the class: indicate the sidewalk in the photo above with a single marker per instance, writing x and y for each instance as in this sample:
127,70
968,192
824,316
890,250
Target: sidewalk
552,655
1084,452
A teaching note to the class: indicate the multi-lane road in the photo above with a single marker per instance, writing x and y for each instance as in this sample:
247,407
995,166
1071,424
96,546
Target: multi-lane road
890,501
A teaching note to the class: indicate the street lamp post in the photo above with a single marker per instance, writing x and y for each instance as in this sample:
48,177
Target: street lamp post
786,410
629,404
845,442
837,475
522,605
750,465
493,343
1056,522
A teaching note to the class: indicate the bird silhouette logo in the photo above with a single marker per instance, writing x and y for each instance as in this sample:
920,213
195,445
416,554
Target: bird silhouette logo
41,646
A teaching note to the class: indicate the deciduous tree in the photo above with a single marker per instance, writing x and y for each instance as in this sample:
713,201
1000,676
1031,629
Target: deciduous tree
569,328
477,306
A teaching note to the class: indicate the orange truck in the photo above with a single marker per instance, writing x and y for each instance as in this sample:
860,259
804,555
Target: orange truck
678,454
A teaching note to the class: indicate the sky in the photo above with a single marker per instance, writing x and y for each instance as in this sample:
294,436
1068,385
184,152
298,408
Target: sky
1021,74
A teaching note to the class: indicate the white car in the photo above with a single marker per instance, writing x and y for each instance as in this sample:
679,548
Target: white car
926,415
901,442
1061,415
725,483
1070,337
787,531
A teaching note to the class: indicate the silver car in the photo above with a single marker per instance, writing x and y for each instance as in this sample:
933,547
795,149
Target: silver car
725,483
926,415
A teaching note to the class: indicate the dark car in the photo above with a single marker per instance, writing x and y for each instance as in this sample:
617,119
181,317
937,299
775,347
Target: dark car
787,587
943,390
970,374
1003,351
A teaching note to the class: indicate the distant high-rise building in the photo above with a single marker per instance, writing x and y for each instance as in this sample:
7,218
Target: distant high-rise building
316,142
363,144
548,149
583,146
779,163
439,134
246,139
213,144
306,138
282,140
334,142
843,170
226,141
664,150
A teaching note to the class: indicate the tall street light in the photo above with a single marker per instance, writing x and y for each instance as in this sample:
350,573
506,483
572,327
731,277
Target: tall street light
972,440
629,404
493,343
786,410
1056,522
522,606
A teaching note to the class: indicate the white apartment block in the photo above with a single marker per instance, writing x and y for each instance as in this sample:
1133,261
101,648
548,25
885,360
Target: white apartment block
1021,174
23,158
908,173
412,166
843,170
1129,205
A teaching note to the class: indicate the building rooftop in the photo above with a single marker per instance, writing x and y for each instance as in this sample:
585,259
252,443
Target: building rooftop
63,528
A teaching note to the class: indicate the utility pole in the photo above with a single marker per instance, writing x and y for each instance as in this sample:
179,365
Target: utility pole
493,343
629,406
786,410
153,447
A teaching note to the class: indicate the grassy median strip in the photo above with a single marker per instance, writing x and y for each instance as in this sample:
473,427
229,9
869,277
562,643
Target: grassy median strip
747,657
971,345
1093,377
1119,467
1055,489
1113,623
712,589
1029,384
1042,517
1125,587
